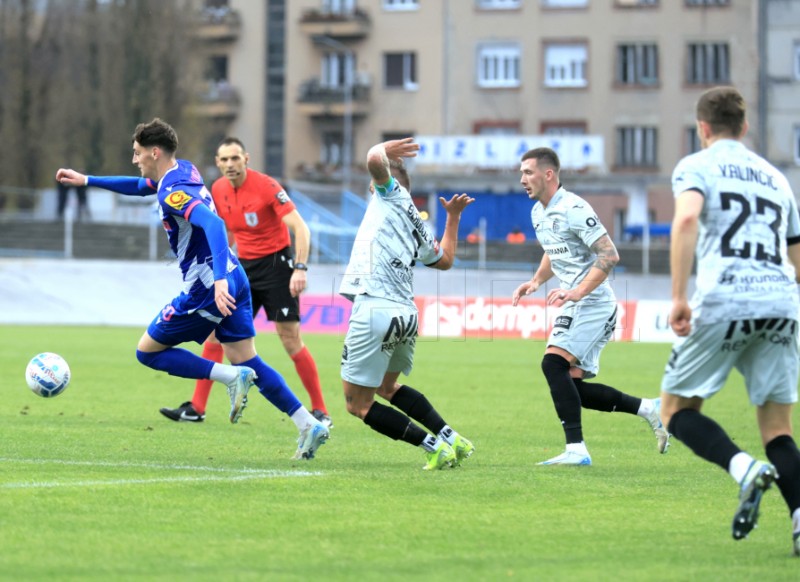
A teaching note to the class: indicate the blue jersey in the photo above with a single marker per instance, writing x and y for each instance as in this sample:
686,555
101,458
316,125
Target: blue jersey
180,191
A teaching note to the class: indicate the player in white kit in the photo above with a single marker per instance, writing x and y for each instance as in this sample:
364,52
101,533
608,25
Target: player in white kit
579,252
383,325
738,215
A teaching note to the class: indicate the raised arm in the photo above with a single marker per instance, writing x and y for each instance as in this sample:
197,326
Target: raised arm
379,155
454,207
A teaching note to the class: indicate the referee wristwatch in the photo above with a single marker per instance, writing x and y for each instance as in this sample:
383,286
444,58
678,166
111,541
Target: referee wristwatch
300,267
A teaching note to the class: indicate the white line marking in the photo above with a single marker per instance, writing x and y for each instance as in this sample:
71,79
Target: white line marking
233,474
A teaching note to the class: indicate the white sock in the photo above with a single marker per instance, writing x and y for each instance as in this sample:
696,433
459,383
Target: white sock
796,521
448,435
578,448
302,418
224,373
739,465
646,408
430,443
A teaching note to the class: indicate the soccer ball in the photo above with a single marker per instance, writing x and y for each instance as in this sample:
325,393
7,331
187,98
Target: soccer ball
47,374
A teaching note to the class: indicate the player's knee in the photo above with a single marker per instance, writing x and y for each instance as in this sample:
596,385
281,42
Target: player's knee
357,410
554,365
146,358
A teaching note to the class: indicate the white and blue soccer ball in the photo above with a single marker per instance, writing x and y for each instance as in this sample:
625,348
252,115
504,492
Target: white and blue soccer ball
47,374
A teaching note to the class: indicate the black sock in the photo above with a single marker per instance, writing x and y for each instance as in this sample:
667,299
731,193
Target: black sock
565,396
782,452
705,437
396,425
605,398
415,405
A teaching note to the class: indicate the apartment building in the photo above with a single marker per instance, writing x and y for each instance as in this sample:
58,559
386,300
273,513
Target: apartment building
779,37
319,81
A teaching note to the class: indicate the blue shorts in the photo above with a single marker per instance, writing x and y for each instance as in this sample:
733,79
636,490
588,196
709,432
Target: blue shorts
176,324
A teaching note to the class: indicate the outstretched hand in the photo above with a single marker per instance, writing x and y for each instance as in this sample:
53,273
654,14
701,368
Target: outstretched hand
457,203
70,177
401,148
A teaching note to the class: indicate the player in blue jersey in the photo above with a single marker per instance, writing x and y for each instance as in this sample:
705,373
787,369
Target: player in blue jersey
737,214
216,293
580,254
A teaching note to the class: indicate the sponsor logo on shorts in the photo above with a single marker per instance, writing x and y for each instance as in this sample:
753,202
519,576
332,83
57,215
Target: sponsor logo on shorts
177,200
344,353
564,321
400,331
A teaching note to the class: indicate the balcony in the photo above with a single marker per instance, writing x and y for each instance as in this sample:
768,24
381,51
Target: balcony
345,25
318,100
217,24
216,99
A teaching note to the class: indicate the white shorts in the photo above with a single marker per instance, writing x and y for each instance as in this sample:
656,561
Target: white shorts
380,339
583,330
763,350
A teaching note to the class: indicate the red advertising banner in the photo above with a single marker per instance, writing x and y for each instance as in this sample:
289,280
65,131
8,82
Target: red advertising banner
456,317
488,318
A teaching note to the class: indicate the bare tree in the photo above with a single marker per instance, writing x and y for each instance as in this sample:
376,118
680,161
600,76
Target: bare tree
78,75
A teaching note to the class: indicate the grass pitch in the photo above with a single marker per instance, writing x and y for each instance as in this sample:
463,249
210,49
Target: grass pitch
96,485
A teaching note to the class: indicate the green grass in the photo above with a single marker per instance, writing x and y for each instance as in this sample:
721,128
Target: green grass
96,485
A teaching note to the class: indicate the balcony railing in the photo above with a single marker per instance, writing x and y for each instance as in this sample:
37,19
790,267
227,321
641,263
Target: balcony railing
217,24
353,24
313,91
216,99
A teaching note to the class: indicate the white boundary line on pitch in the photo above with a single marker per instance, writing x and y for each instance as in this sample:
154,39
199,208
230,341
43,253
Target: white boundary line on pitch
234,474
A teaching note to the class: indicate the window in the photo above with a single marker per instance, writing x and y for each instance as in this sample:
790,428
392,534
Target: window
797,59
338,6
637,64
337,69
692,144
216,68
332,146
637,147
499,4
392,135
708,2
563,128
401,4
631,3
498,65
797,144
708,64
565,65
400,71
565,3
496,128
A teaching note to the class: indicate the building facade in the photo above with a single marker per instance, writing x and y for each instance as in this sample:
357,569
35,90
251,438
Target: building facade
319,81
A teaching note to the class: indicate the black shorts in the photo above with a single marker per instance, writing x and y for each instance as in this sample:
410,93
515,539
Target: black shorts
269,285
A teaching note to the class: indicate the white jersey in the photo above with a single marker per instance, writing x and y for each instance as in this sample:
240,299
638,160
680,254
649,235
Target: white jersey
391,238
567,228
748,216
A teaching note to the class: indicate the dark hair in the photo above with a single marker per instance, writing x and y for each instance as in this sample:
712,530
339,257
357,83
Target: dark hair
544,157
723,108
399,173
157,133
232,141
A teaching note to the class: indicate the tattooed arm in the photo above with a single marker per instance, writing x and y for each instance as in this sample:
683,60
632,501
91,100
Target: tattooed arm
607,258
